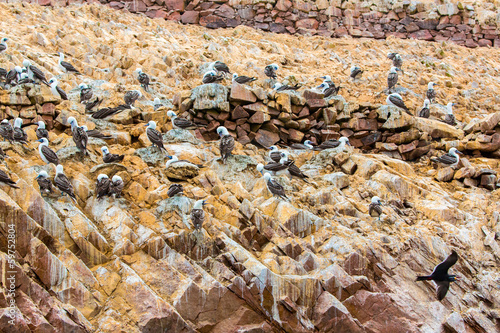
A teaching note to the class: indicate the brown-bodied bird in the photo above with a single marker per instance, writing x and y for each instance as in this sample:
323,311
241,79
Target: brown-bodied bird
441,277
41,131
4,178
212,77
197,214
86,93
154,135
44,182
270,71
62,182
6,130
392,78
243,79
375,207
143,79
226,144
116,186
397,100
284,87
19,134
274,187
181,123
431,93
102,185
66,66
221,67
79,135
107,157
35,73
175,189
425,112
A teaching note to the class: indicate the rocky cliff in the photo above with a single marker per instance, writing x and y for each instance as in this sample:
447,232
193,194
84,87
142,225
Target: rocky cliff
316,263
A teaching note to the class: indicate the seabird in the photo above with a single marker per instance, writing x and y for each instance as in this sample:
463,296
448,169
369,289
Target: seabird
143,79
79,135
157,103
243,79
283,87
107,157
34,72
86,93
334,144
449,159
397,61
197,214
116,186
3,73
62,182
96,134
294,170
6,130
44,182
46,154
154,136
306,145
375,207
106,112
41,131
4,178
181,123
356,72
13,75
274,187
3,44
226,144
56,90
329,89
327,79
277,168
102,185
211,77
431,93
175,189
441,277
270,71
275,154
66,66
19,134
219,66
425,112
450,118
397,100
174,159
131,96
3,156
392,78
24,79
391,55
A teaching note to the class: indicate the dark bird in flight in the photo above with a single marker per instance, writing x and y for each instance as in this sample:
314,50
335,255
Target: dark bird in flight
441,277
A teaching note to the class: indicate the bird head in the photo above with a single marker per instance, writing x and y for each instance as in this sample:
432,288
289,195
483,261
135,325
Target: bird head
344,140
454,151
4,40
211,72
83,86
18,69
26,63
267,176
454,278
321,86
426,103
116,178
101,176
376,200
41,124
449,107
308,144
53,81
235,76
273,148
59,169
24,76
260,167
277,85
199,204
431,85
275,67
326,78
156,101
151,124
42,173
138,70
221,130
171,114
105,150
354,67
44,141
72,121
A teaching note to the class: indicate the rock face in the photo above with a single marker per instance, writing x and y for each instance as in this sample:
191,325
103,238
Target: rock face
315,263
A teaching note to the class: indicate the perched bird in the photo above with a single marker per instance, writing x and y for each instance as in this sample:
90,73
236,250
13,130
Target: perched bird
243,79
330,144
391,55
79,136
270,71
143,79
13,75
44,182
211,77
41,131
425,112
116,186
375,207
197,214
274,187
157,103
449,159
329,89
35,73
450,118
96,134
6,130
294,170
46,154
275,154
107,157
62,182
19,134
102,186
66,66
106,112
154,136
226,144
276,168
4,178
56,90
356,72
283,87
397,61
327,79
431,93
174,159
24,79
86,93
306,145
180,123
3,73
441,277
220,67
397,100
175,189
392,78
131,96
3,44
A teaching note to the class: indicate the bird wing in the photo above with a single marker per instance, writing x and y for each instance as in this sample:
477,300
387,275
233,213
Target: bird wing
91,105
20,135
442,268
97,134
329,144
222,67
86,94
276,156
226,145
450,119
391,55
295,170
106,112
62,93
275,166
356,72
244,79
4,177
144,79
69,67
3,47
62,182
38,73
42,133
80,138
447,159
442,289
3,72
11,76
276,188
392,79
116,187
183,123
174,189
398,102
269,71
44,184
431,94
110,158
130,97
50,155
374,210
154,136
424,113
102,187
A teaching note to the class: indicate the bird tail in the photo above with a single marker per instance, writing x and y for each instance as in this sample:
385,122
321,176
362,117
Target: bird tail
46,83
423,278
433,159
120,158
13,185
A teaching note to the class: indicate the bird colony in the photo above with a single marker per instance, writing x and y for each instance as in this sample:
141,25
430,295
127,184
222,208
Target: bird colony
154,189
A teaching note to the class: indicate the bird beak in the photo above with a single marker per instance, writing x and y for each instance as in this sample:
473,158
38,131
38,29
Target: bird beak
453,104
323,77
349,144
460,152
204,202
146,125
170,157
398,69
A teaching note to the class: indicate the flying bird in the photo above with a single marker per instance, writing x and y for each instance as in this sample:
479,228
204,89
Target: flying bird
212,77
131,96
6,130
154,135
270,71
392,78
356,72
441,277
3,44
35,73
143,79
46,154
41,131
197,214
86,93
450,117
44,182
181,123
107,157
451,158
116,186
431,93
66,66
274,187
56,90
175,189
425,112
19,134
243,79
102,186
226,144
79,136
397,100
375,207
62,182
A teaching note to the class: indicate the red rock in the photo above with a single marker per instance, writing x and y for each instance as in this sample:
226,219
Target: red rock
190,17
283,5
212,22
239,112
422,34
295,136
48,109
315,104
177,5
259,117
137,6
277,28
259,106
225,11
175,16
329,315
159,14
484,42
243,93
309,23
471,43
266,138
408,147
